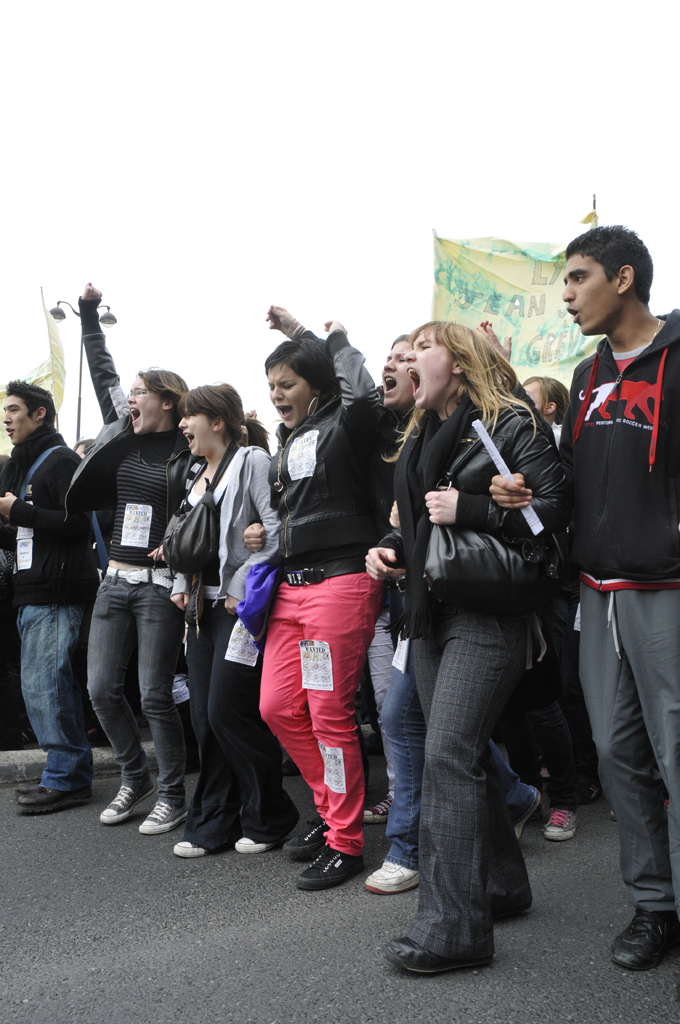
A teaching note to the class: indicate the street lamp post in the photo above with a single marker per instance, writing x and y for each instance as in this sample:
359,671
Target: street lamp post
106,318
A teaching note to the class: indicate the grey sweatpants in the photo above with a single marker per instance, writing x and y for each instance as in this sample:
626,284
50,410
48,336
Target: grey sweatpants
633,699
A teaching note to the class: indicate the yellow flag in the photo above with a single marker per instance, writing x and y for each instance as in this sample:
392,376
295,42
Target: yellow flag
518,287
51,374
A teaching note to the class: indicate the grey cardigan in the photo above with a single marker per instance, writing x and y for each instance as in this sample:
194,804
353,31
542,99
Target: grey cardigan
246,500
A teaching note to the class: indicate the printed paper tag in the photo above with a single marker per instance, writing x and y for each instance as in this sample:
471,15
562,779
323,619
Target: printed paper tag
136,526
119,401
241,648
302,456
577,619
400,659
333,768
25,551
317,667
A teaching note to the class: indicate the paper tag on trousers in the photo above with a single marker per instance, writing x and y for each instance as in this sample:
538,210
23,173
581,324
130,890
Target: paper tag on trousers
136,526
317,667
400,659
333,768
241,648
302,456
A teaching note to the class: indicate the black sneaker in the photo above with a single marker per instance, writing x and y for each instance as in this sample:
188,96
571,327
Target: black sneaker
306,846
587,790
330,868
646,939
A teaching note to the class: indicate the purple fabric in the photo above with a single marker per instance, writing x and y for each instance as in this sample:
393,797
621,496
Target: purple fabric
261,586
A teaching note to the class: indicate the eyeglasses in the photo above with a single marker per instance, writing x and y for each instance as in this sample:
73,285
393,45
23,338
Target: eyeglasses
136,392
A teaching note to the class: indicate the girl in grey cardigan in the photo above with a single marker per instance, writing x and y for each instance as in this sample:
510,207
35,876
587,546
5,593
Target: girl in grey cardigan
239,798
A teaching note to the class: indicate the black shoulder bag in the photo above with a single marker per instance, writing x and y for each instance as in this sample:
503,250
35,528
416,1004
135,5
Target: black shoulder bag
192,537
480,572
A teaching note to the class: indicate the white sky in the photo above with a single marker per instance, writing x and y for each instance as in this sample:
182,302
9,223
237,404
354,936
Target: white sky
200,161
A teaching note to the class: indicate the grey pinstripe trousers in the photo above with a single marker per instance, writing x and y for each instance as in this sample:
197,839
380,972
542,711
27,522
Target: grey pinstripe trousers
471,867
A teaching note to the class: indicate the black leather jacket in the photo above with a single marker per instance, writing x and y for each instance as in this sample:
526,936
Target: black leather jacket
327,515
93,485
527,449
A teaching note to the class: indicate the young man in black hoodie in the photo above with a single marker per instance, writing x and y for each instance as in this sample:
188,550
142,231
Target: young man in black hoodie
55,578
621,447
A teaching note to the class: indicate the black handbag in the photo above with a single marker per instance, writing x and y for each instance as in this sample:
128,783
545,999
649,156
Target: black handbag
479,572
192,537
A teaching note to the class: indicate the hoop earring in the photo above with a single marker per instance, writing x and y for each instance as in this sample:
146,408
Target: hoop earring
314,402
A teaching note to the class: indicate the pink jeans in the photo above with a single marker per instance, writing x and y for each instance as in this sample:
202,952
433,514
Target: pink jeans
342,612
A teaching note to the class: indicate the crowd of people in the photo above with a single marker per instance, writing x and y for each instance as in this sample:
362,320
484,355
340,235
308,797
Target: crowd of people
379,559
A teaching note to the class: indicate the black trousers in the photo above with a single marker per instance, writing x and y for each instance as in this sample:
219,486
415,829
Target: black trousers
240,789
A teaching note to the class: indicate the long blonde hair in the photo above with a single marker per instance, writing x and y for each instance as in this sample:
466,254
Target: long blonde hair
488,379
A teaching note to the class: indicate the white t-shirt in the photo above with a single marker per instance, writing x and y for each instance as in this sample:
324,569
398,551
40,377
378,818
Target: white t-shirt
193,498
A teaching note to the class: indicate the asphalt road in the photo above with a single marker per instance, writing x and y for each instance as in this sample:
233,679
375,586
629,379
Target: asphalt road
105,925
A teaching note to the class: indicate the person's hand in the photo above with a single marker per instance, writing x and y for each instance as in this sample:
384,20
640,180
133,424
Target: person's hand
442,506
394,517
6,503
251,414
253,537
156,554
378,567
505,350
280,319
181,600
90,293
231,604
510,495
334,325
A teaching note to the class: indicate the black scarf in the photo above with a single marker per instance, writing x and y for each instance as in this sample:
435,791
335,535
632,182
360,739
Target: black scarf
421,466
24,455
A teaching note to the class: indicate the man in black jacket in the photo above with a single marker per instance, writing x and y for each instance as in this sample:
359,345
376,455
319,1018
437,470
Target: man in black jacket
621,448
55,578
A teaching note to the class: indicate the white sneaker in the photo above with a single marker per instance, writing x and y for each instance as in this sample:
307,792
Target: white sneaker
392,878
124,803
163,818
250,846
186,849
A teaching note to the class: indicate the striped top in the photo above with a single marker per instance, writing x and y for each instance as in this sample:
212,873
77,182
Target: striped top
141,481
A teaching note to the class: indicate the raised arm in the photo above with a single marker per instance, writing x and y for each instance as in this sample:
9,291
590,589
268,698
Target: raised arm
105,380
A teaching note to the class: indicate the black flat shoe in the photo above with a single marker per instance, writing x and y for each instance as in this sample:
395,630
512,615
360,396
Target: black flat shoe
27,787
643,943
411,956
44,801
330,868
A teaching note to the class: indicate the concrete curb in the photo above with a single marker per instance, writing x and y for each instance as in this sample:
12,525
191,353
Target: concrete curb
27,765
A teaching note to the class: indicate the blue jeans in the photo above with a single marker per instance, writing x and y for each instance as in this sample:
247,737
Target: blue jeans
125,613
518,796
404,725
49,634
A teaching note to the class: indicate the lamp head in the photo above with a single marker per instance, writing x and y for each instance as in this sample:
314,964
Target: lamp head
107,318
57,313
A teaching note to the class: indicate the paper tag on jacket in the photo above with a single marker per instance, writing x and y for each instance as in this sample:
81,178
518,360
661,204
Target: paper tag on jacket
25,552
119,401
241,648
24,546
400,659
333,768
136,526
317,667
302,455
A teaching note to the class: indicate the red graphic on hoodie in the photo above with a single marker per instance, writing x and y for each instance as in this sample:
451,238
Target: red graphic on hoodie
634,393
